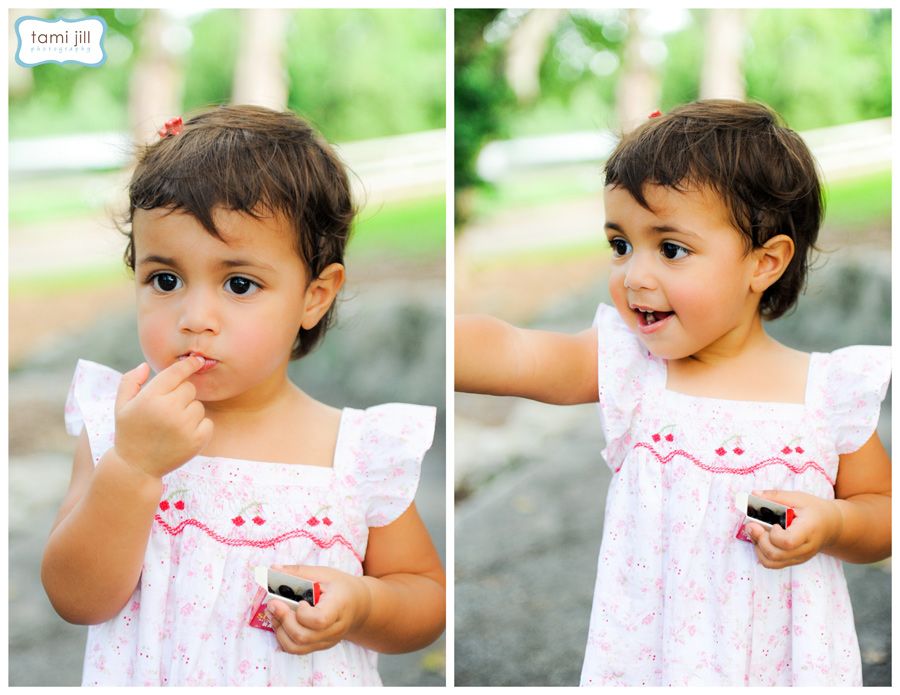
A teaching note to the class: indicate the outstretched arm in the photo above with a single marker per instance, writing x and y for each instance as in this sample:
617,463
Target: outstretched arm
495,358
854,527
397,606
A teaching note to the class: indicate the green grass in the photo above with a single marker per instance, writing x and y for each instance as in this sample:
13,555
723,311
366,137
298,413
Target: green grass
572,251
859,201
69,281
412,227
34,205
537,189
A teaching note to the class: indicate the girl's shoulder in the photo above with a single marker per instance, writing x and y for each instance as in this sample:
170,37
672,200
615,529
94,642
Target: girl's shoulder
380,449
852,370
623,360
847,386
90,405
388,429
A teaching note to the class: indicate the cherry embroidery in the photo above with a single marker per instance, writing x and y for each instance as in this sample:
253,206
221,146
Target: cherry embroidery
178,504
315,521
240,521
668,435
721,451
787,449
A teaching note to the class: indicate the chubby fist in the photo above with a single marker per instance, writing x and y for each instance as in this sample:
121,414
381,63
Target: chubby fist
815,528
161,426
344,606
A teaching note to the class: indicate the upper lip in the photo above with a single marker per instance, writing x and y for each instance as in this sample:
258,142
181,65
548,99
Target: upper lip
639,307
198,354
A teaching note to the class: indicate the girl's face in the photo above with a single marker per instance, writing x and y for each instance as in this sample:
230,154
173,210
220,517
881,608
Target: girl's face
239,302
680,276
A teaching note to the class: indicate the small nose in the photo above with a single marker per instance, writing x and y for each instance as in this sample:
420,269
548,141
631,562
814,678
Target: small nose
199,312
639,272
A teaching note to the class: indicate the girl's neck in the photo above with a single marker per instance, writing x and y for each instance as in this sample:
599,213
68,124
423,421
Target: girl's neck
749,367
287,426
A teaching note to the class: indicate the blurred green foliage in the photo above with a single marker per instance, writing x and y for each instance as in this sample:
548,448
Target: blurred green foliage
357,73
816,67
482,99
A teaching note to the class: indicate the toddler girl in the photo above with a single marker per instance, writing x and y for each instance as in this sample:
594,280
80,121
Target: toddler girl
183,484
711,213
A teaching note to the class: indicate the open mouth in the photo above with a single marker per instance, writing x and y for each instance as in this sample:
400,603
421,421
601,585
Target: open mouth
648,318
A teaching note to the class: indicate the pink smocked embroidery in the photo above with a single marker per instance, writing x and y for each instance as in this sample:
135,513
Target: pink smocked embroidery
262,543
747,470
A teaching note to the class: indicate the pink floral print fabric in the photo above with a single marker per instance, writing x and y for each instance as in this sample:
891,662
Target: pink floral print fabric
678,599
217,519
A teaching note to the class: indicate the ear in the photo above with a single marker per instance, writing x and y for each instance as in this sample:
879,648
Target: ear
772,259
321,293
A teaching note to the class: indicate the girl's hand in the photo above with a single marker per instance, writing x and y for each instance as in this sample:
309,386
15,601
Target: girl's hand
162,426
816,527
344,605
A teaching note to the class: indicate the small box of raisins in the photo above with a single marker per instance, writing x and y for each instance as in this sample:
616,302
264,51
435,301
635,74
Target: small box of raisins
284,587
763,512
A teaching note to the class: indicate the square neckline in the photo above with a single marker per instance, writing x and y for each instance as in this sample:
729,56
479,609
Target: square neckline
738,404
335,458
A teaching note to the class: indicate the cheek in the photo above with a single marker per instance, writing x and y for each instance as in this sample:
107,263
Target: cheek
154,330
264,338
616,282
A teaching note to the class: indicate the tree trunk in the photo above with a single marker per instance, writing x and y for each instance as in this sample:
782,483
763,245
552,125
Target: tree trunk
723,73
156,85
525,51
638,91
260,75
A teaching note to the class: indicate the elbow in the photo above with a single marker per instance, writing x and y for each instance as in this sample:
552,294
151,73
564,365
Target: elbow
71,603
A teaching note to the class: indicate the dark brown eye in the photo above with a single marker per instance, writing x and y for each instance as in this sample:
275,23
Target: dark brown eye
241,285
165,282
673,251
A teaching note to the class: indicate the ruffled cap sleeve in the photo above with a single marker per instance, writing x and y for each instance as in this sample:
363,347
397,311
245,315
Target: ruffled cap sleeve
91,404
389,444
855,382
622,368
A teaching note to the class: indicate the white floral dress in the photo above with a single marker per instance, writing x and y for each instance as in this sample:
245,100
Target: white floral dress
218,518
679,600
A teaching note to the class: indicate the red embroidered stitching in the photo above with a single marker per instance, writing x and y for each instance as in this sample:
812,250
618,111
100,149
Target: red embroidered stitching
270,543
737,471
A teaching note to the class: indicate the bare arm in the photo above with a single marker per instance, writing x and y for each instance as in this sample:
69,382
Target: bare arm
408,587
863,495
93,559
495,358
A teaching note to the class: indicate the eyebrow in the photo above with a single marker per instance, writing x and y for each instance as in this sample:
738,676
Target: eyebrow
657,229
225,263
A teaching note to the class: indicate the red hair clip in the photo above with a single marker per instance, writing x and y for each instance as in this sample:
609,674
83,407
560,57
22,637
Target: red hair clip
655,114
172,127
